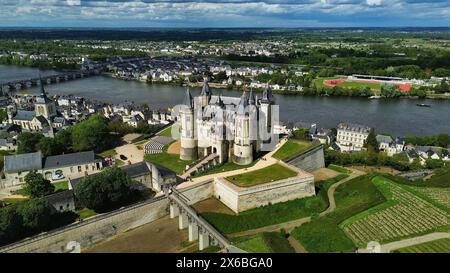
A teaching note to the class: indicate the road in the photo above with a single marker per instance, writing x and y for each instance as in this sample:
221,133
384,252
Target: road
386,248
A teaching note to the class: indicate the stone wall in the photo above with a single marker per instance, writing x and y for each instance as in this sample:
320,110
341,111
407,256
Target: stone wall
95,229
198,192
242,199
311,160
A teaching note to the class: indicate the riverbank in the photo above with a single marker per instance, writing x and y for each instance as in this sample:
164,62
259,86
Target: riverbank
241,88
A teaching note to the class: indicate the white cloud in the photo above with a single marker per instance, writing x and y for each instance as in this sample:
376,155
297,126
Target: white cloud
374,2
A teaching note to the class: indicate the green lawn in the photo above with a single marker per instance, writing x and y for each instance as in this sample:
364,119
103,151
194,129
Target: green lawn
254,244
293,148
228,166
62,185
360,84
166,132
323,234
437,246
338,168
269,174
273,214
86,213
108,153
267,242
209,249
11,201
170,161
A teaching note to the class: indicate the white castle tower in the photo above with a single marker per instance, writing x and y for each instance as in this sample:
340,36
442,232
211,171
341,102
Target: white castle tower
243,145
266,103
188,137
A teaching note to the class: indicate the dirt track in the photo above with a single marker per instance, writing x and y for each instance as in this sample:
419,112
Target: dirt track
160,236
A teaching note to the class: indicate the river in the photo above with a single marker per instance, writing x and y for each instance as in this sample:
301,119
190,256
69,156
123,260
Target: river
400,117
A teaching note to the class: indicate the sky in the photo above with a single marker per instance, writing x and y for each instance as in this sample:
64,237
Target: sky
225,13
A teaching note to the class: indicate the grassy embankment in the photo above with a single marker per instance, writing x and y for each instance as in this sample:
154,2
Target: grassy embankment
269,174
276,213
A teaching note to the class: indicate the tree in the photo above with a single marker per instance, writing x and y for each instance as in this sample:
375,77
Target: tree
35,214
91,134
49,146
106,190
301,134
443,140
3,115
10,225
27,142
36,186
371,141
64,139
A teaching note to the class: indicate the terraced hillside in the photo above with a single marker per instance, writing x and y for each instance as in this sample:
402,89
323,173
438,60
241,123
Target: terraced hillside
405,214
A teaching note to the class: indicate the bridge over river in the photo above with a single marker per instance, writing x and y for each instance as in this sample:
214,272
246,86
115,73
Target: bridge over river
15,85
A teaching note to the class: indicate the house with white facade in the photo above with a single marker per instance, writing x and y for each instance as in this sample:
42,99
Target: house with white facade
351,137
54,168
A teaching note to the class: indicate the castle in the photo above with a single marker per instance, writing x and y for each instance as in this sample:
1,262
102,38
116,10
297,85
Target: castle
232,128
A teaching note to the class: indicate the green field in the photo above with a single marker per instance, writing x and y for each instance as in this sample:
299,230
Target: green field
360,85
319,82
108,153
269,174
86,213
338,168
293,148
166,132
61,185
228,166
323,234
437,246
267,242
170,161
274,214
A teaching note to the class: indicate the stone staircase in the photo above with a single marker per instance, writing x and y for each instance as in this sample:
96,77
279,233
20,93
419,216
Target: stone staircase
206,162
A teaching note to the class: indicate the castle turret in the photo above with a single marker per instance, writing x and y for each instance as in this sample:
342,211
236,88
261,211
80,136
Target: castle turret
206,93
266,103
243,145
188,149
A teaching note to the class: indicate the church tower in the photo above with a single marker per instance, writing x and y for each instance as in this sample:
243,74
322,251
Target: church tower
44,106
188,149
243,146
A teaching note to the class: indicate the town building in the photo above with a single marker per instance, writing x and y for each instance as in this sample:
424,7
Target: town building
389,145
351,137
54,168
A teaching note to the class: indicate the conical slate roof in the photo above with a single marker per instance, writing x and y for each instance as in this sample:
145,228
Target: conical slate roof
243,104
251,98
267,95
43,96
205,89
188,100
220,102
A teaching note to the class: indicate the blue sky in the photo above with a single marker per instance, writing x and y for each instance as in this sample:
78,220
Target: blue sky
226,13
